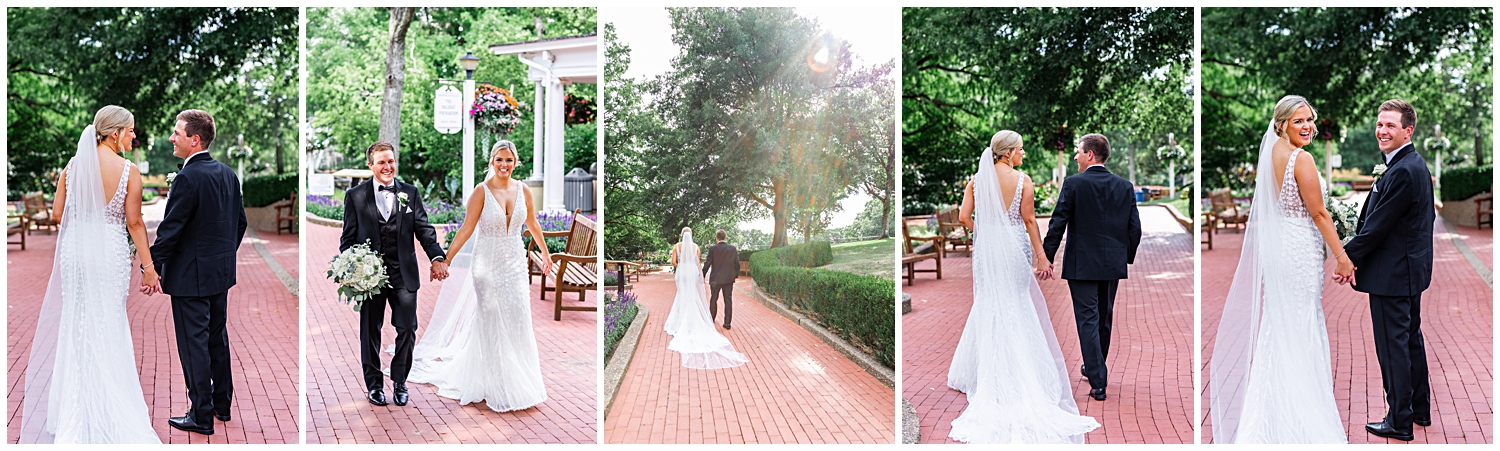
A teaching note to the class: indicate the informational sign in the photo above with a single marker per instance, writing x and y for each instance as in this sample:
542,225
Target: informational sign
448,110
145,167
1336,160
320,184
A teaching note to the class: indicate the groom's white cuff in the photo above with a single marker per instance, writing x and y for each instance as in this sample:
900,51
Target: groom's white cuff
438,258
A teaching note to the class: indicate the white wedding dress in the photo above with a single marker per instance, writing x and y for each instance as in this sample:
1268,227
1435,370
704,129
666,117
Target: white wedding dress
1008,361
479,344
1271,377
689,324
81,379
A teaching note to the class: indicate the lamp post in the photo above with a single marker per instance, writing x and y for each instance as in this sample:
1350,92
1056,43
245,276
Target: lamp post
470,63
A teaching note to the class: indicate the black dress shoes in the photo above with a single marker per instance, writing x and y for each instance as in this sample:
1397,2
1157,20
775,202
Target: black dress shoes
726,327
400,394
376,397
1384,428
1098,394
187,423
221,416
1421,420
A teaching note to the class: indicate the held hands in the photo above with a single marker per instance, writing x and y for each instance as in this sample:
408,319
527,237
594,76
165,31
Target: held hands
1042,268
439,270
150,282
1344,273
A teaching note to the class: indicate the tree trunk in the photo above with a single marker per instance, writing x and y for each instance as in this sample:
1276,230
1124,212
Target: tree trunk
778,212
885,217
395,77
280,102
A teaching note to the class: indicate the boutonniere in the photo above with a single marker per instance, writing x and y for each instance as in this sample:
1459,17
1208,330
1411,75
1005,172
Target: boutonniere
1378,171
401,197
170,177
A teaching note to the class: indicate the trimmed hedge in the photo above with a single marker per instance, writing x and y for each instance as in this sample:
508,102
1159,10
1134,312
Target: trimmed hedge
859,308
267,189
1463,183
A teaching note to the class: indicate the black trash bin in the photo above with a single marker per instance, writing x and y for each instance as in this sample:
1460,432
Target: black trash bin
578,190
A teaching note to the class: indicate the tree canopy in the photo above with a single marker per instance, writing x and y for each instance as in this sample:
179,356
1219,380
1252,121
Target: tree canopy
239,64
346,62
762,112
1345,61
1050,74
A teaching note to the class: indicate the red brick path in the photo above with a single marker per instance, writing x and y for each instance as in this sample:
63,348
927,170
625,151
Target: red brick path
795,389
262,335
1457,323
335,384
1150,392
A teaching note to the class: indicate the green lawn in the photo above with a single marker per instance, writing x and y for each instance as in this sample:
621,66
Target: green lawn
874,258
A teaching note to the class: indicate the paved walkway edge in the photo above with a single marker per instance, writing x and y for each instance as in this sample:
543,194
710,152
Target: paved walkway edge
319,220
911,425
885,375
1187,224
614,369
265,255
1463,248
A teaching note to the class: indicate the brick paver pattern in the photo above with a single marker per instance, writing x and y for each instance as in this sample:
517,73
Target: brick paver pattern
1457,324
1150,380
339,413
262,335
795,389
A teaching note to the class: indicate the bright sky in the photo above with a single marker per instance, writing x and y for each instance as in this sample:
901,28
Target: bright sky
874,35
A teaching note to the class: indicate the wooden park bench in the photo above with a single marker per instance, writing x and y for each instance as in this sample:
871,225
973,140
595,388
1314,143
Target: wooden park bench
18,228
1227,212
286,216
930,249
953,233
1484,211
576,269
39,212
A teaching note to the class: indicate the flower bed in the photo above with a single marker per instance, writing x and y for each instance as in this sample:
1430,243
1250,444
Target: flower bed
859,308
618,313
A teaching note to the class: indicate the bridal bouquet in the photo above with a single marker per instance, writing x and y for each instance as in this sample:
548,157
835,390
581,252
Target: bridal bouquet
360,274
1345,217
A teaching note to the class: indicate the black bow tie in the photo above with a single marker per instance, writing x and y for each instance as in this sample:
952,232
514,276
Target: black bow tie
391,188
179,166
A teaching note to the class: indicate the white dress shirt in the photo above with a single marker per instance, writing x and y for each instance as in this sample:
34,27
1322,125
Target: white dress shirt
384,200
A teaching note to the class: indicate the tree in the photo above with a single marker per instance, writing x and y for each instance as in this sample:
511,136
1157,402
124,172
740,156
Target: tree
395,76
1050,74
1345,61
66,63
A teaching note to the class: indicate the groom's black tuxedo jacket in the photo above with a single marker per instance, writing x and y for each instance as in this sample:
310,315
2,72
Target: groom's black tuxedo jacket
1097,210
724,261
1393,249
362,222
197,239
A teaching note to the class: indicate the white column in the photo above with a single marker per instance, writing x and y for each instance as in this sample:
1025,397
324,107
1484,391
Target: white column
468,154
552,198
537,148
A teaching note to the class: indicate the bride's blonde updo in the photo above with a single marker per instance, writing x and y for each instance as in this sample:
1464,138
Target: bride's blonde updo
1003,143
1285,108
109,120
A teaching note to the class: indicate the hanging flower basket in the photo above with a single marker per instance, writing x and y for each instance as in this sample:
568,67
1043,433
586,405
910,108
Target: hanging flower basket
496,111
578,110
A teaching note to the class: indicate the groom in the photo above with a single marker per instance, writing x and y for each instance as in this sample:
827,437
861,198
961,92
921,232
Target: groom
195,252
724,260
1392,255
389,215
1099,208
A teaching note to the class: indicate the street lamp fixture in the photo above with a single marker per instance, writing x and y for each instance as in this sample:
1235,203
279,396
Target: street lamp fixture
470,63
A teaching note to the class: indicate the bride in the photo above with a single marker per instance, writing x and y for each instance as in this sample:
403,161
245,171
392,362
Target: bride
688,323
479,344
1008,361
81,380
1271,378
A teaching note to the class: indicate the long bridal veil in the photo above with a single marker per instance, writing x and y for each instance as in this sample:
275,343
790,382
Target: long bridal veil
1261,262
452,316
1017,393
689,323
63,387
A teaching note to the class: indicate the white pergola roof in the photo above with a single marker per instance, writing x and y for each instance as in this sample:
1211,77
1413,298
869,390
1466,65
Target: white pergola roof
573,59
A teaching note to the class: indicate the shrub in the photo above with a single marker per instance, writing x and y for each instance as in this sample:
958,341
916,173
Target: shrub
267,189
617,317
859,308
325,207
1463,183
147,195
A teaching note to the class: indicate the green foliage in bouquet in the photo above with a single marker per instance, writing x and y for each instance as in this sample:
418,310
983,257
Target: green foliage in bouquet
360,274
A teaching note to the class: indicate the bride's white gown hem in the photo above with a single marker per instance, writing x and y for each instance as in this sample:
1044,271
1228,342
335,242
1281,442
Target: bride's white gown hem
691,328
